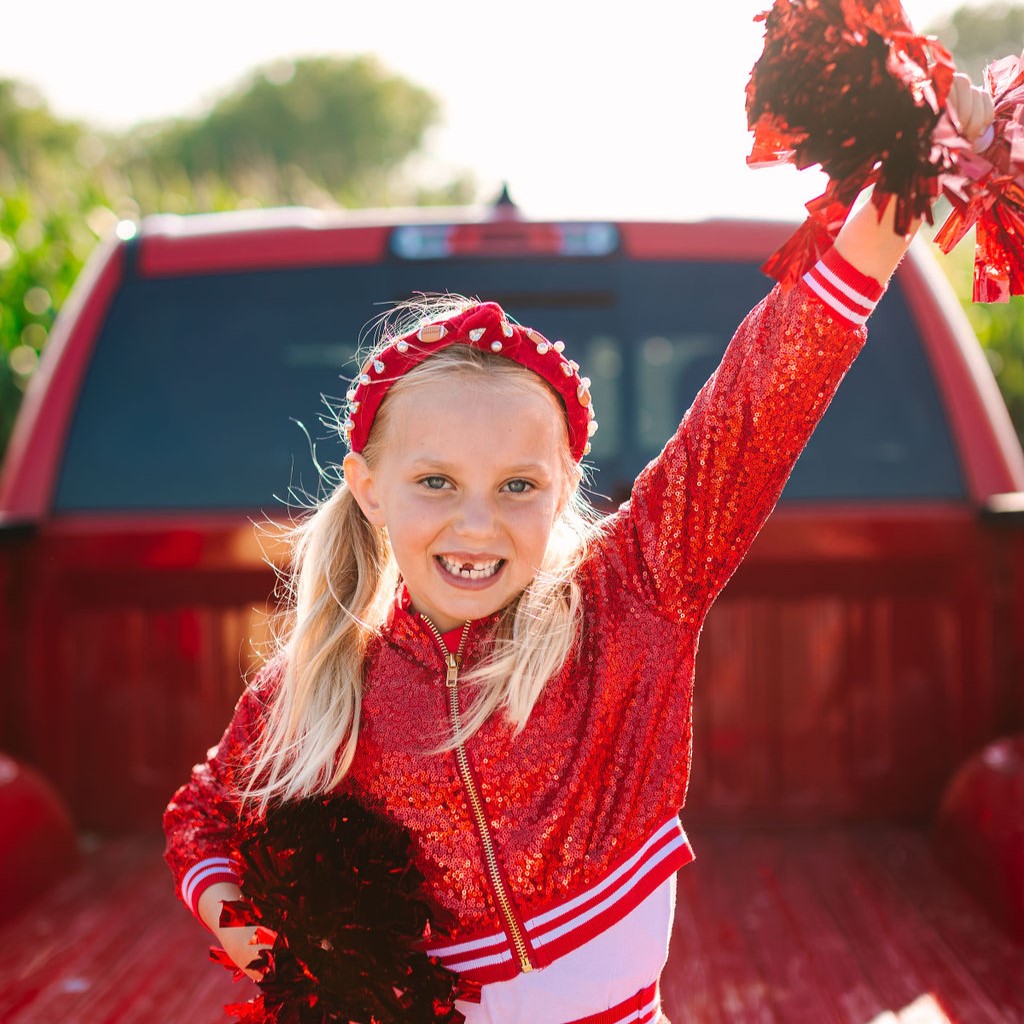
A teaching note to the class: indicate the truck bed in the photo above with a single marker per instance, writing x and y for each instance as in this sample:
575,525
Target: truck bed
853,925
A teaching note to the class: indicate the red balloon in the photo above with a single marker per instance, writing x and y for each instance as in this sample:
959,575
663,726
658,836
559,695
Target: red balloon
37,838
980,830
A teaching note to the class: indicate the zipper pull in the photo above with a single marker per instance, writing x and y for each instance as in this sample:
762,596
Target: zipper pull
452,678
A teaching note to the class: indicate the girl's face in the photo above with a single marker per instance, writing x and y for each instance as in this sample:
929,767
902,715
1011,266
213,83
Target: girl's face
469,483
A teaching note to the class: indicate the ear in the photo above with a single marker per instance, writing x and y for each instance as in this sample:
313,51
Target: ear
360,481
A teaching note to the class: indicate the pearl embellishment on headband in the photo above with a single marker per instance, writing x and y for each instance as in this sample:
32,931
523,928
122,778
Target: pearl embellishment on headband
471,326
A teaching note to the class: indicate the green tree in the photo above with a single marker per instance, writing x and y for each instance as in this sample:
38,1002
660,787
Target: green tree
343,127
30,134
318,132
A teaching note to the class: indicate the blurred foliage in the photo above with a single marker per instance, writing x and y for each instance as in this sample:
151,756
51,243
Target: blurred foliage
343,126
42,248
29,132
319,132
44,232
978,35
999,326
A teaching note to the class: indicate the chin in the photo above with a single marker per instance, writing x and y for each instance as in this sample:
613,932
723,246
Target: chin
471,610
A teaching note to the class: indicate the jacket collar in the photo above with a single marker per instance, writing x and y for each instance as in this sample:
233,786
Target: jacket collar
407,631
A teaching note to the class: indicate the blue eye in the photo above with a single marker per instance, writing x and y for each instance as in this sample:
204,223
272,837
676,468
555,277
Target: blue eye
519,486
434,483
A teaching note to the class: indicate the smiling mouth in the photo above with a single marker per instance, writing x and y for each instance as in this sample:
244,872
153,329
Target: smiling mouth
471,570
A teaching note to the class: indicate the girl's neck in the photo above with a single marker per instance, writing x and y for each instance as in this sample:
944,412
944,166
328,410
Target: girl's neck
450,637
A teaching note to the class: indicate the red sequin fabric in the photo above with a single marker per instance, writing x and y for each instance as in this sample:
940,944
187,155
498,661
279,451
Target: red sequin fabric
578,799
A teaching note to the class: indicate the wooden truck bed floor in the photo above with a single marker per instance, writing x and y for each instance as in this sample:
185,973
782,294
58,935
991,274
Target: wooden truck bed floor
839,926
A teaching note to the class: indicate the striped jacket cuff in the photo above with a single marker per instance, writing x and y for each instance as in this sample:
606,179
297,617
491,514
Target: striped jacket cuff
201,876
849,294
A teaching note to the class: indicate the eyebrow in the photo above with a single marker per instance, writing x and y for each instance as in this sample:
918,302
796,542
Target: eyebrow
426,462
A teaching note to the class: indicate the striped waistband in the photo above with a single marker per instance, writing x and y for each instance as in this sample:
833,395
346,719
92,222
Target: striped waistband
556,930
643,1008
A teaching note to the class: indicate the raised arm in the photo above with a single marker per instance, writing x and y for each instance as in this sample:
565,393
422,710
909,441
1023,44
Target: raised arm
695,510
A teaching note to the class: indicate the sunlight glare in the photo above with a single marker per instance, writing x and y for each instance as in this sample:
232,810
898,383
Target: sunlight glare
923,1010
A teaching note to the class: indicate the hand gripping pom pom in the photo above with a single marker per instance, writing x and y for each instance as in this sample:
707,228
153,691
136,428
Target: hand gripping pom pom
848,85
336,886
988,191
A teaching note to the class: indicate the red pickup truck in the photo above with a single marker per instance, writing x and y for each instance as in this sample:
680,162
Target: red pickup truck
860,682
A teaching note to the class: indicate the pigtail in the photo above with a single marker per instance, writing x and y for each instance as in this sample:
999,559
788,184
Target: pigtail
341,584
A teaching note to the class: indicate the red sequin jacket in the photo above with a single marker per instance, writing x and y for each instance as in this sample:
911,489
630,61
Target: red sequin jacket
538,842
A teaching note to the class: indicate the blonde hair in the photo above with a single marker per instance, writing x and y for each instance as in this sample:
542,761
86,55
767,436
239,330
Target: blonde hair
342,582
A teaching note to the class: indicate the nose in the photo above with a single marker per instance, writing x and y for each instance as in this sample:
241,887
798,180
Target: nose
477,517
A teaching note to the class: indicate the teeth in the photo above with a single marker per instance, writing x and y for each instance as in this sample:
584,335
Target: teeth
476,571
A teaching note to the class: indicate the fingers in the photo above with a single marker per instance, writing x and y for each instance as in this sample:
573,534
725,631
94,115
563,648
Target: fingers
243,945
982,113
972,107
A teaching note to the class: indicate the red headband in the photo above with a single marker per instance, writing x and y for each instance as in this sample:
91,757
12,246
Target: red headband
483,326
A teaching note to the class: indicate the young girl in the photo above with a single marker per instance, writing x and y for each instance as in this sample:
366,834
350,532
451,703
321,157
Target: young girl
509,679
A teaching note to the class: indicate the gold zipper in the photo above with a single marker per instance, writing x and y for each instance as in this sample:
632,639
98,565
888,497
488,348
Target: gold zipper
452,664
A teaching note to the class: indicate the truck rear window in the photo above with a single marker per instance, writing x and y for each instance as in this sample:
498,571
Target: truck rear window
205,392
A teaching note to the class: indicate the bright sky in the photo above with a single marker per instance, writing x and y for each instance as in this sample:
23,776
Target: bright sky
631,109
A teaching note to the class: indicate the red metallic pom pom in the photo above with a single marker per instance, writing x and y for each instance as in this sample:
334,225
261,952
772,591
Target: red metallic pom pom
337,888
988,192
846,84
